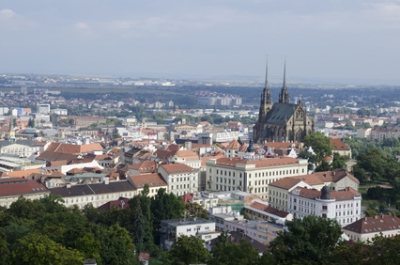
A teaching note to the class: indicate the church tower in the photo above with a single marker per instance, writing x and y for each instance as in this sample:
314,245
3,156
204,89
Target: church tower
284,95
266,99
265,107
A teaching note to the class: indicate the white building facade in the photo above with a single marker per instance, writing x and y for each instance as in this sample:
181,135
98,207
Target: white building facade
251,175
180,178
343,205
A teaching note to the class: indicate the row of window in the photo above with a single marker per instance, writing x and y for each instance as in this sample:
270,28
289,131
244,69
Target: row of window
259,174
182,179
99,197
182,186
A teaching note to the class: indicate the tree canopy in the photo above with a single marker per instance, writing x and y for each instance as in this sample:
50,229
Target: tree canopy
320,143
310,239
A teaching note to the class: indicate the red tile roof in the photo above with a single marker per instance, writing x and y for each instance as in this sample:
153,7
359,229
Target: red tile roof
19,186
19,173
339,145
233,145
177,168
153,180
342,195
268,209
374,224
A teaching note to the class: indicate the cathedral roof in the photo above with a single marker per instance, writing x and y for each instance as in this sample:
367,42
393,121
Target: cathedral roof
279,112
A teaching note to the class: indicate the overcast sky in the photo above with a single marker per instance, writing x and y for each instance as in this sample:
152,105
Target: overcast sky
339,40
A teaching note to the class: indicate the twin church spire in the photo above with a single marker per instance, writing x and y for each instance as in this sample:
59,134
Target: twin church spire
266,97
284,95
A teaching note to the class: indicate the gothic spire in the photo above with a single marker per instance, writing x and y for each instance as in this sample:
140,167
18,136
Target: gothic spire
267,92
284,95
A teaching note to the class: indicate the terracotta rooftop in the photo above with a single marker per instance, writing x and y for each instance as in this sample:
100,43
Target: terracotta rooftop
286,183
375,224
153,180
188,154
74,148
316,178
18,186
177,168
342,195
19,173
339,145
233,145
268,209
144,167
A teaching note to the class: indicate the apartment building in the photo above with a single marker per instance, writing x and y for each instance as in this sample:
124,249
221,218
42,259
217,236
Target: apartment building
343,205
251,174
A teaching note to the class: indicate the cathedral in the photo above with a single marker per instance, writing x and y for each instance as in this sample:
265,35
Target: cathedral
282,121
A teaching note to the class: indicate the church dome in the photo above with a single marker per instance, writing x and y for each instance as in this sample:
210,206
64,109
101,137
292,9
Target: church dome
325,193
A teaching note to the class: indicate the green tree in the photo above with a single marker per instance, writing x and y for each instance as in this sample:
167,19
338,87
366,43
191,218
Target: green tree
338,161
26,209
5,254
90,247
38,249
160,116
138,222
310,157
189,250
373,163
320,143
117,247
165,206
323,166
308,240
31,123
195,210
167,136
226,252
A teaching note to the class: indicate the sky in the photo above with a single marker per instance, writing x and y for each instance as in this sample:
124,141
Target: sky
321,39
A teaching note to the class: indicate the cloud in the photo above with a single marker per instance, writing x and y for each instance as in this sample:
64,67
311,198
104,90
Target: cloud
7,14
84,30
171,25
10,20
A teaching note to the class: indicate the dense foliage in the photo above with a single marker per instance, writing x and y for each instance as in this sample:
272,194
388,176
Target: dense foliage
46,232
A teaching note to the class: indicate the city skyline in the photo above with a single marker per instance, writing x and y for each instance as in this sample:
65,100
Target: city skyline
330,40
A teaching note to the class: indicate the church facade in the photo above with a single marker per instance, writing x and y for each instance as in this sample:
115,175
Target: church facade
282,121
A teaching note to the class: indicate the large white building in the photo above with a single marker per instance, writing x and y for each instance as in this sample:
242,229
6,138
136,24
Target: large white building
180,178
337,179
343,205
251,174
